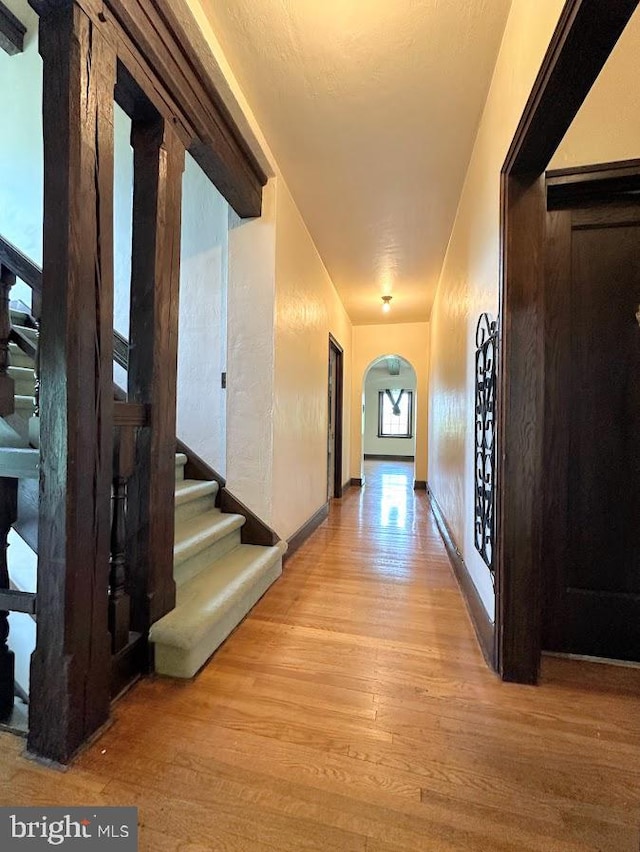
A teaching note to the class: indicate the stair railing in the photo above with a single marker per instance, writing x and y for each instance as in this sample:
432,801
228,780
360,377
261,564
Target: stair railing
13,265
128,651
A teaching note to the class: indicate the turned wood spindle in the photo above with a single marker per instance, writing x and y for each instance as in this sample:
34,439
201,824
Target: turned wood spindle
8,515
119,599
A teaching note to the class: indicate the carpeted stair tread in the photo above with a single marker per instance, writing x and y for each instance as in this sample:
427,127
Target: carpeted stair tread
207,598
194,534
27,331
18,358
193,489
181,460
24,380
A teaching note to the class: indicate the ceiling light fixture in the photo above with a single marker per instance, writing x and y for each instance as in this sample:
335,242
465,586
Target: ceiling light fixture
386,307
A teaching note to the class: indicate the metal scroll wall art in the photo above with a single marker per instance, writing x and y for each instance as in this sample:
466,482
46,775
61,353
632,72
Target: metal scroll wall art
486,367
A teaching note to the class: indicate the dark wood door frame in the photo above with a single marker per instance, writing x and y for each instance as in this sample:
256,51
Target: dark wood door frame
335,347
584,38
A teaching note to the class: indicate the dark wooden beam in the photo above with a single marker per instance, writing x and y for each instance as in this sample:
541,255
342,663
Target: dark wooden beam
160,36
153,355
16,601
70,670
585,36
12,31
164,61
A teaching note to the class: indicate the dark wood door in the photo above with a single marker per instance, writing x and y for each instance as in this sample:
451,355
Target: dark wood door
591,539
331,436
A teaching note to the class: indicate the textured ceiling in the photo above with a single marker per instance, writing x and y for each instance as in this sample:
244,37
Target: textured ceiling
370,108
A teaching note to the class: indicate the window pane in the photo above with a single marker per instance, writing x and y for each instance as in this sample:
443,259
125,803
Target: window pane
395,423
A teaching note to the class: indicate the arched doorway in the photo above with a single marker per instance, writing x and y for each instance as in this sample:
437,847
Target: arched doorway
389,411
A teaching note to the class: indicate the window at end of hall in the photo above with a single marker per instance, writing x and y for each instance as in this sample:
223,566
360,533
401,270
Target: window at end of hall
395,414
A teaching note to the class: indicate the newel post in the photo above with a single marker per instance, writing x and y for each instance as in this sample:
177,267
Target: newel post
71,664
153,353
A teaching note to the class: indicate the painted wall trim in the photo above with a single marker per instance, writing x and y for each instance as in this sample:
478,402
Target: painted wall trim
299,537
482,624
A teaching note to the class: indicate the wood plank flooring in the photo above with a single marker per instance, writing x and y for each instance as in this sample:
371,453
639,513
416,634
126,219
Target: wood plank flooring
352,710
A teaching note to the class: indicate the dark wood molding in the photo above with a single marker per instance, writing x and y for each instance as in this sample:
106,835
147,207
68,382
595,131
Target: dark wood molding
20,265
197,468
357,481
384,457
482,624
296,541
419,485
581,44
254,531
14,600
12,31
70,666
584,38
339,414
164,63
585,185
519,421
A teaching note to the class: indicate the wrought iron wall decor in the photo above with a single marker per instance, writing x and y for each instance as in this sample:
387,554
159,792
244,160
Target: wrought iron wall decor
485,453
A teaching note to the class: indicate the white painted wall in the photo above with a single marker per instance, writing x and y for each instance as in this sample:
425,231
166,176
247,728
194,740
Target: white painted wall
308,309
202,338
374,383
21,160
250,357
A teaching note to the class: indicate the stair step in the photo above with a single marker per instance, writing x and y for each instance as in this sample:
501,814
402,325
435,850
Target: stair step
210,605
19,462
27,331
181,460
201,540
13,431
193,497
18,358
24,380
24,404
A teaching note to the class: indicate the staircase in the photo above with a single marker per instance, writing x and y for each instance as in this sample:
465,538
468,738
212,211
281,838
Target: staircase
218,579
219,574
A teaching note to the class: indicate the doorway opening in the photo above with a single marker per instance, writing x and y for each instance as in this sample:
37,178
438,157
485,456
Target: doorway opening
334,420
389,412
538,249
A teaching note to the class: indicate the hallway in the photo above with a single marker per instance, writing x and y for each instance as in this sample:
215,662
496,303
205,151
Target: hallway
352,710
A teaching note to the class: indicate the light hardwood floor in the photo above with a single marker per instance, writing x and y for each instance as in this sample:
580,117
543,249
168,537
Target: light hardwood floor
352,710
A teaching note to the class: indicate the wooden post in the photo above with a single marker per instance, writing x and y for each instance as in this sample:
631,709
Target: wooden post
153,353
71,664
8,514
7,280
